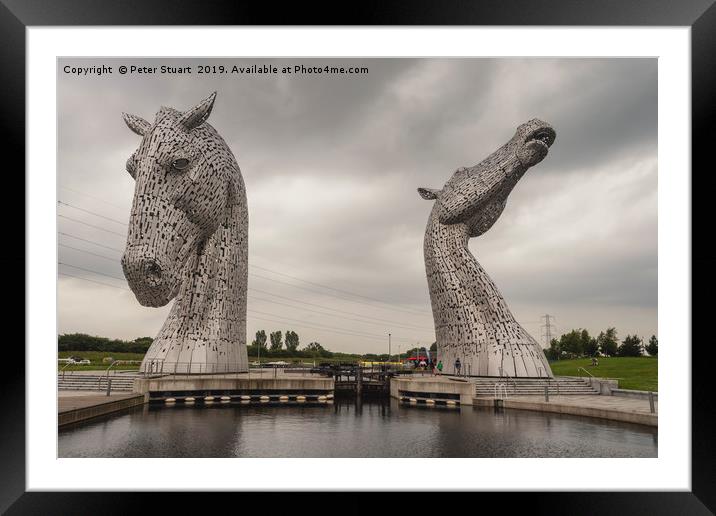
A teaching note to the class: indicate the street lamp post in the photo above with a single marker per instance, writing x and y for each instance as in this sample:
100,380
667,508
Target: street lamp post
389,347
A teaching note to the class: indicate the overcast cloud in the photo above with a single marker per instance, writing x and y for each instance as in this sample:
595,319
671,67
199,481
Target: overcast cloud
331,165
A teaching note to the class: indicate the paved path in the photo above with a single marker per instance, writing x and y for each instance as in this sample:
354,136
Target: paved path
597,402
615,408
73,400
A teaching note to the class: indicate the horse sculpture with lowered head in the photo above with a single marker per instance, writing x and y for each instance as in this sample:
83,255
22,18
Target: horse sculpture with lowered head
188,239
472,320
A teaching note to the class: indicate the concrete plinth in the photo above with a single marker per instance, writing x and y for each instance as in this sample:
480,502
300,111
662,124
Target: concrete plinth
212,385
433,387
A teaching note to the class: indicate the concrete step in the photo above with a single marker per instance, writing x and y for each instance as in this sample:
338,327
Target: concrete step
94,383
485,387
95,380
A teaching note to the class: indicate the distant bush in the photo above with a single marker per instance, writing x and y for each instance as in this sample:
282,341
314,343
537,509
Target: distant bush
84,342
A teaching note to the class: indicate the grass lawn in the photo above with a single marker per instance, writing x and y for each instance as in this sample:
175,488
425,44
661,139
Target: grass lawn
96,358
638,373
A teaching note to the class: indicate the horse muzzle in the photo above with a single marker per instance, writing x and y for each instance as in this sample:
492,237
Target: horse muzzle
152,281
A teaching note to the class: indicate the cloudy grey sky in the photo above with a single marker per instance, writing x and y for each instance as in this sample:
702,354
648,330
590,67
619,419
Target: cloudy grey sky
331,165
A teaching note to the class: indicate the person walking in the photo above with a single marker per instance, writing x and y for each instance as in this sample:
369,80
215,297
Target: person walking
432,367
457,366
440,366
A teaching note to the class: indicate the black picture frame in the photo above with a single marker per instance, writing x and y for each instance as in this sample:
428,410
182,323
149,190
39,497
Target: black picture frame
700,15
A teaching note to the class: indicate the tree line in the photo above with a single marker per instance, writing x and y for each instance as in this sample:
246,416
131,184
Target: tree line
84,342
278,345
578,343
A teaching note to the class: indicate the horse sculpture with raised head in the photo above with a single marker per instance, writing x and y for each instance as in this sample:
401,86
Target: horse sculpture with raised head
472,320
188,239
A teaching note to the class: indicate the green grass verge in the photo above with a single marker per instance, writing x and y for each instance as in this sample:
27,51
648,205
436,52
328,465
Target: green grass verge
637,373
96,357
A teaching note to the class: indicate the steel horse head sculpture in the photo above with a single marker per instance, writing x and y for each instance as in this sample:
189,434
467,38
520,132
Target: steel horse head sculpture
472,320
188,240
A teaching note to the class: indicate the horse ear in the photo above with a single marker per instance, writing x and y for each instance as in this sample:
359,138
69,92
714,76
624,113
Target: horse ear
198,114
136,124
429,194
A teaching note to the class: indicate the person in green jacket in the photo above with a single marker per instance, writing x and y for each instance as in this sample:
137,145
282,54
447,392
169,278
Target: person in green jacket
440,367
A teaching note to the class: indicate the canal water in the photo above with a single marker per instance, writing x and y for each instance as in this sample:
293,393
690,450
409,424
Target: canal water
381,428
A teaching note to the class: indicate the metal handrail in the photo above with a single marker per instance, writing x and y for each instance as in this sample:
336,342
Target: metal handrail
107,374
582,369
514,383
62,369
549,382
500,387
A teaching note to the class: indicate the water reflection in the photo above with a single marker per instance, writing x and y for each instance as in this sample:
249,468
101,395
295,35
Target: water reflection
348,428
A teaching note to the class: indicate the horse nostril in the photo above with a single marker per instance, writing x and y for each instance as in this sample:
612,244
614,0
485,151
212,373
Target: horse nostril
153,270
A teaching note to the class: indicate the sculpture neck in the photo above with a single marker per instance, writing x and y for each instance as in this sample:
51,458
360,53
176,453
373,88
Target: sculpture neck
453,271
212,300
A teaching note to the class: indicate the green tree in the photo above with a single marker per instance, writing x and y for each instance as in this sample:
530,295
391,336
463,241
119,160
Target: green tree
592,348
586,342
314,346
314,349
260,340
608,342
553,351
434,347
653,347
631,346
276,340
292,341
84,342
571,344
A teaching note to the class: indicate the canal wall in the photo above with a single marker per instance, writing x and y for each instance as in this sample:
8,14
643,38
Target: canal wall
442,389
212,385
614,413
89,407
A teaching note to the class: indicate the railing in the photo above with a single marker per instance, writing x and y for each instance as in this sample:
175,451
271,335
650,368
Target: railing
582,369
549,382
227,370
500,388
62,369
514,383
109,382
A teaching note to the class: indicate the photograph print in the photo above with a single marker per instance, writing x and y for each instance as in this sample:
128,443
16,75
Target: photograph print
357,257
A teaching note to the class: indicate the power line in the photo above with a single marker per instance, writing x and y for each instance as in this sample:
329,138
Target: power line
61,203
88,252
387,306
329,315
92,226
336,309
327,326
269,301
325,286
302,325
93,281
90,270
363,317
89,241
92,197
327,294
299,324
321,285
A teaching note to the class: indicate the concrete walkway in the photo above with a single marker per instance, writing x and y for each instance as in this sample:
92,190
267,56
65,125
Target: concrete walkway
604,402
614,408
71,400
76,406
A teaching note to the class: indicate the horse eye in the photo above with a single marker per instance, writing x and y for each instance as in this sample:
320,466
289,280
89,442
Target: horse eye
180,164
